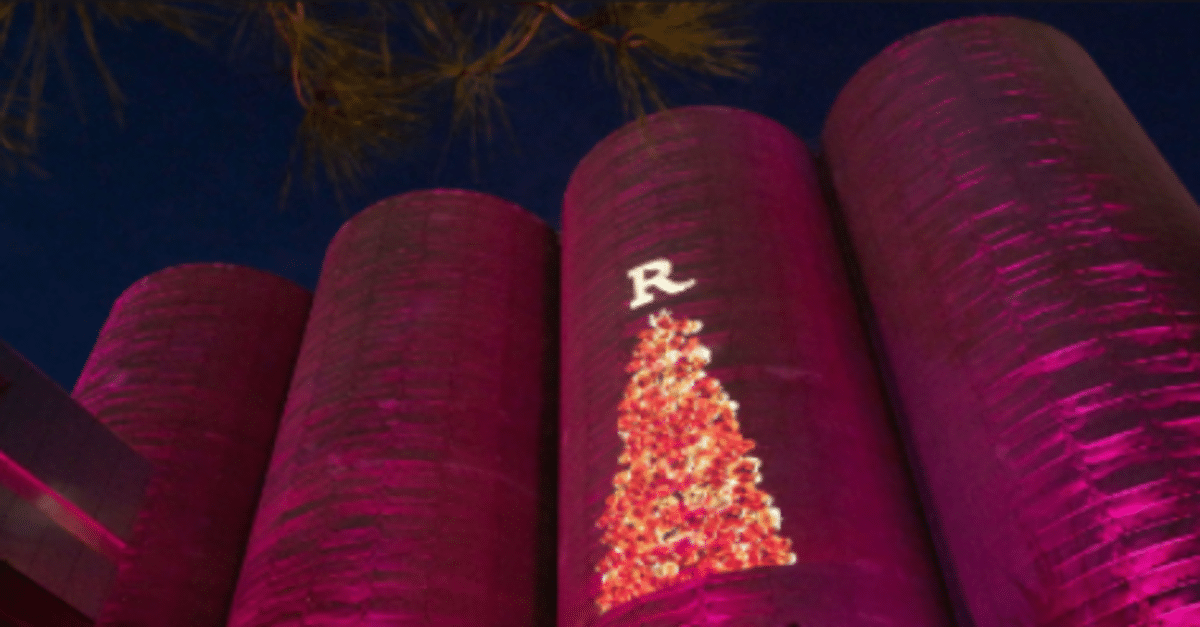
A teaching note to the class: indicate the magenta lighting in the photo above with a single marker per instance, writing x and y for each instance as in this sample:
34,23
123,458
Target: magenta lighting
726,453
407,485
70,490
191,370
1034,268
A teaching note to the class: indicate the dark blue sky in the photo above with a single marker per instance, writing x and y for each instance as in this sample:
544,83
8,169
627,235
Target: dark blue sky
194,174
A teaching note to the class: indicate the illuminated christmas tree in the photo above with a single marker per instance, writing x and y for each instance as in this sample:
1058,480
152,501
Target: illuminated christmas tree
687,503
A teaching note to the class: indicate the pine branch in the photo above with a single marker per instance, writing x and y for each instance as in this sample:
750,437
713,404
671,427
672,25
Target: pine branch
20,122
363,100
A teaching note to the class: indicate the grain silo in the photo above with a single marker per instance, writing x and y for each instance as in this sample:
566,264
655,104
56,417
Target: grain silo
408,483
191,369
1034,269
727,456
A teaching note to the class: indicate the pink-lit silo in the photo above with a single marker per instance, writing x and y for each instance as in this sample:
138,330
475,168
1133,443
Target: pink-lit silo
727,458
1034,269
408,482
191,370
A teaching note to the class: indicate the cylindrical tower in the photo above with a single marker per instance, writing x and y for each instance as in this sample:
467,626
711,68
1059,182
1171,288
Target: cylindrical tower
191,370
726,454
1034,269
407,486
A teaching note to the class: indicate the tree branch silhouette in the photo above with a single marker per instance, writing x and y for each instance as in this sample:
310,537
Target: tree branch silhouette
363,98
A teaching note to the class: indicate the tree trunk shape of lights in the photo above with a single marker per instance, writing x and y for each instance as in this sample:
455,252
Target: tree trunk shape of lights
687,505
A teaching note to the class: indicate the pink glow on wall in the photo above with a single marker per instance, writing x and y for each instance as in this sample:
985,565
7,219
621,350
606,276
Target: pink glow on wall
190,370
716,215
1034,268
58,508
407,485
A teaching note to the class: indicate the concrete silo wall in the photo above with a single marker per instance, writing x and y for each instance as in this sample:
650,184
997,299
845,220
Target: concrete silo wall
1034,268
726,454
407,483
191,370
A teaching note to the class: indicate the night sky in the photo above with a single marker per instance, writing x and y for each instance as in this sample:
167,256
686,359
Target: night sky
194,174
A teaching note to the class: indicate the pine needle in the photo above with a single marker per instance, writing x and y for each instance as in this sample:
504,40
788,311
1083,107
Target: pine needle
364,99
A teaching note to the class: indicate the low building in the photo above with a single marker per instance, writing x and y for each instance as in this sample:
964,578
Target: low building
69,492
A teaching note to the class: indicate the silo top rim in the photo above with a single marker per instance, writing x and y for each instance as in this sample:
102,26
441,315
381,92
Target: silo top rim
617,135
215,266
893,49
381,204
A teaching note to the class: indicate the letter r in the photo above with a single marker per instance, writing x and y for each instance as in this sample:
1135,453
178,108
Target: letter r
655,273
